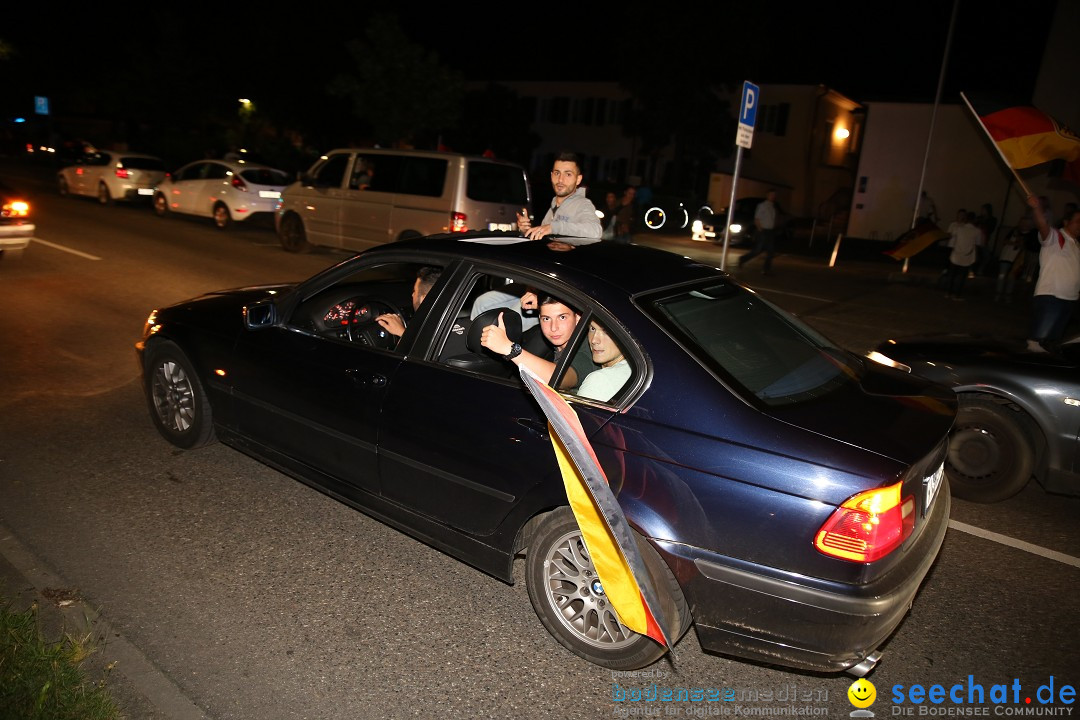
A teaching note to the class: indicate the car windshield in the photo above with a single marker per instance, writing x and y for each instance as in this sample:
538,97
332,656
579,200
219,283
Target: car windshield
753,344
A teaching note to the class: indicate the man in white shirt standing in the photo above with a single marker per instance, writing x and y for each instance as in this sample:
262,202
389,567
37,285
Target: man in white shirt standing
1058,287
765,215
965,241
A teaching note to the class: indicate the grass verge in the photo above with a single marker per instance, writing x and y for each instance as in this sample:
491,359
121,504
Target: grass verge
45,680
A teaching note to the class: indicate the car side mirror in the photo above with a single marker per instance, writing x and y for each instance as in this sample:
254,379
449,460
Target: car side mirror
260,315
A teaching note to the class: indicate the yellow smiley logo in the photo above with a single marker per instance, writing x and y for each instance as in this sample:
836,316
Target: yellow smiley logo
862,693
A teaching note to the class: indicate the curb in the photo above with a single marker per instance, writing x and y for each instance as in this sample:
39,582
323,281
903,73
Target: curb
138,686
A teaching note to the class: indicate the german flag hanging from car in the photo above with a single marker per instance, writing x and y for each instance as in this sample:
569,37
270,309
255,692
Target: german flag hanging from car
603,525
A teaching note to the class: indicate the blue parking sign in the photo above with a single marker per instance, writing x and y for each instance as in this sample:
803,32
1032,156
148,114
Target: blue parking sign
41,105
748,106
747,114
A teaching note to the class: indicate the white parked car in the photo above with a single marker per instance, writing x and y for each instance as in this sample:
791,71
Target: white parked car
225,190
109,175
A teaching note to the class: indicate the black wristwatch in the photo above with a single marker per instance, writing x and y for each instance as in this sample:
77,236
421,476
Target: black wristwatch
515,350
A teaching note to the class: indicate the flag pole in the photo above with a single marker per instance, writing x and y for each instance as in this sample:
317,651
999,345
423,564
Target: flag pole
1019,180
933,118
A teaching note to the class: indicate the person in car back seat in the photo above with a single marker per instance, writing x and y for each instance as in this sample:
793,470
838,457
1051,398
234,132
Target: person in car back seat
426,277
526,305
557,323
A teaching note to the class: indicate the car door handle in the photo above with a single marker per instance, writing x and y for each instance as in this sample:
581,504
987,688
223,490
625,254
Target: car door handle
537,427
362,379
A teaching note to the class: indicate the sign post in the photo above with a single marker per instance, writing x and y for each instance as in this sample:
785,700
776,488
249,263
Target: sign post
748,106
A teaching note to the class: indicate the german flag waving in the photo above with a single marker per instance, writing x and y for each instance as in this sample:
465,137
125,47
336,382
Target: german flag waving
1026,136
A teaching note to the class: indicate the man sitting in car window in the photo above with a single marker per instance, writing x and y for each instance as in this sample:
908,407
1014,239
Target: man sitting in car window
426,277
614,369
557,323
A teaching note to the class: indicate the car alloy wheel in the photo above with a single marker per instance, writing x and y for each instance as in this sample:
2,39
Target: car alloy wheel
292,235
569,599
103,195
178,403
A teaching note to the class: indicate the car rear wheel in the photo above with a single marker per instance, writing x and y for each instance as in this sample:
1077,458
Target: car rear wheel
292,235
569,600
991,455
178,403
161,205
103,195
222,218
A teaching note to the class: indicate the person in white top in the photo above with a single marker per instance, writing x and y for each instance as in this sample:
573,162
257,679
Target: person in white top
1058,287
614,370
965,241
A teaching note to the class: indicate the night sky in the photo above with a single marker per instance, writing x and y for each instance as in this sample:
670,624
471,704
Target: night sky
866,50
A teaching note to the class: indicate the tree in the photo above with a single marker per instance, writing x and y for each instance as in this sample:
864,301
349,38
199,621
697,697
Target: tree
398,88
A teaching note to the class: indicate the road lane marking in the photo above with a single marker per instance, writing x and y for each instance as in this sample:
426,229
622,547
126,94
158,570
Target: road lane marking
54,246
1013,542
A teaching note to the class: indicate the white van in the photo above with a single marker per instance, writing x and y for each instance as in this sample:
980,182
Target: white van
356,198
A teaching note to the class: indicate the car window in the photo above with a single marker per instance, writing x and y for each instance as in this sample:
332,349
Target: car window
216,171
612,366
382,172
753,344
496,183
348,309
191,172
331,172
549,333
265,176
422,176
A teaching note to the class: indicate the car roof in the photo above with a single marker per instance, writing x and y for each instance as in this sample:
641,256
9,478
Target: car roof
418,153
633,269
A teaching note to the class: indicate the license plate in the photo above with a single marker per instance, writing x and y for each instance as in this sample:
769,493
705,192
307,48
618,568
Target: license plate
933,484
269,193
146,191
505,227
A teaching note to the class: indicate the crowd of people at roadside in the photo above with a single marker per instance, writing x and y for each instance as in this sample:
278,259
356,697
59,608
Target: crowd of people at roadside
1040,254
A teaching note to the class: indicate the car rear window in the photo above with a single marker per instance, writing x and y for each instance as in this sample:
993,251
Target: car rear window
753,344
265,176
497,183
142,163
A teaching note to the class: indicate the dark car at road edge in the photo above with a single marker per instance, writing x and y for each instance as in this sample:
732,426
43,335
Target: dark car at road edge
788,496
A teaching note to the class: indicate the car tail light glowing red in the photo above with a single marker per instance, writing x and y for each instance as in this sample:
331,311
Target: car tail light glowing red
239,184
457,222
122,172
868,526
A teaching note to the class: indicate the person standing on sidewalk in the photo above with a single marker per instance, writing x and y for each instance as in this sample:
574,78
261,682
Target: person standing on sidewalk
1058,287
765,216
965,242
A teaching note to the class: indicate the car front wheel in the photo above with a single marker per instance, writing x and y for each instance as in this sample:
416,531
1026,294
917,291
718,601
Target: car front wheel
178,403
991,455
103,195
292,235
569,599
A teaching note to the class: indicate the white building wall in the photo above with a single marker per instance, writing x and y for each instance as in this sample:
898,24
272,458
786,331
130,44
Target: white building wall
963,169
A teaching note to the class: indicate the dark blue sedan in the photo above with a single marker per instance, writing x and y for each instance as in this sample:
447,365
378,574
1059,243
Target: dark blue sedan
788,497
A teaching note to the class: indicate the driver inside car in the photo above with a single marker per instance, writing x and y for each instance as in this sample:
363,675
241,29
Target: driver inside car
426,277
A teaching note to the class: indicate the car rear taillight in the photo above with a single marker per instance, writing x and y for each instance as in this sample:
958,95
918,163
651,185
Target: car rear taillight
239,184
457,222
15,209
868,526
122,172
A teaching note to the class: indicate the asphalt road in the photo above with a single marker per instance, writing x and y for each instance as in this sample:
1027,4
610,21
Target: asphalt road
224,589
